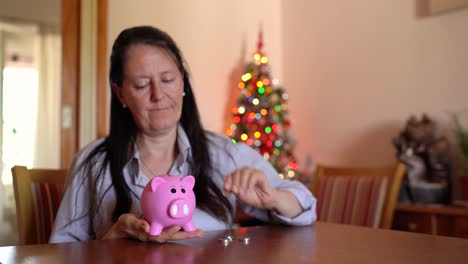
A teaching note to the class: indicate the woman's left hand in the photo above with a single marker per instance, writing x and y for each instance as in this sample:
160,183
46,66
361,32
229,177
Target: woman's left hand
252,187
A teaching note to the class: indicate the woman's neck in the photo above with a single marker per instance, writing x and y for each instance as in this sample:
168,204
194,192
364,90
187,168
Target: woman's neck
157,152
156,144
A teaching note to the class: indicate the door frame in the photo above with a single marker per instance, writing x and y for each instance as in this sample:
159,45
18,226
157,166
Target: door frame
70,105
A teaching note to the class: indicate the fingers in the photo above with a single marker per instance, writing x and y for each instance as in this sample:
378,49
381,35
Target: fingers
128,225
252,187
174,233
232,181
168,233
228,183
251,182
135,227
184,235
187,235
139,224
237,175
243,179
246,176
165,235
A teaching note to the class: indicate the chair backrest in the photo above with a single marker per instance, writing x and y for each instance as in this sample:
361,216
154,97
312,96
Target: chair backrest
359,196
38,193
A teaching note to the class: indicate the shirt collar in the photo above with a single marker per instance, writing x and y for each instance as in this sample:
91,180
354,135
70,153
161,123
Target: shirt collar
133,166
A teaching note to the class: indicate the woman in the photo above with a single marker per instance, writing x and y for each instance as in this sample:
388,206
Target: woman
156,129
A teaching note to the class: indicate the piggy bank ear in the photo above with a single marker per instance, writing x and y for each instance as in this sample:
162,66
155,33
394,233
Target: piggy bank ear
189,181
155,182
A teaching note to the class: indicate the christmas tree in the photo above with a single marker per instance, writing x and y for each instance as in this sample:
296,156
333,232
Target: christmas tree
261,119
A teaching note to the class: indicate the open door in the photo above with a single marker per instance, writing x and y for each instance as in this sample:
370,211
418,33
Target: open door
40,89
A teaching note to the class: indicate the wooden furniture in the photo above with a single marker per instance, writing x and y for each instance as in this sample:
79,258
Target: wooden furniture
322,243
38,193
356,195
436,220
72,46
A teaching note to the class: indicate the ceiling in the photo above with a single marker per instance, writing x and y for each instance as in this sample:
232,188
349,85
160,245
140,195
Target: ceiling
42,11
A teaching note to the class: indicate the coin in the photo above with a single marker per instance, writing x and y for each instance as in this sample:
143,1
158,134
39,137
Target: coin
224,240
245,240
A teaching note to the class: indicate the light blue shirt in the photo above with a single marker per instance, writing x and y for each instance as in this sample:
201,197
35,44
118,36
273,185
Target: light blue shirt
78,219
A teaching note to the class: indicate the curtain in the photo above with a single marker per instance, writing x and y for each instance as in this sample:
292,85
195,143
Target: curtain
48,53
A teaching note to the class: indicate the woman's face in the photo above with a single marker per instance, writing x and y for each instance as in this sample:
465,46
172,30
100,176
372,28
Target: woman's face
152,88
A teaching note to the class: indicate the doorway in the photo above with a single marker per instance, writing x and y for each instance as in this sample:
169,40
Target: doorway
29,107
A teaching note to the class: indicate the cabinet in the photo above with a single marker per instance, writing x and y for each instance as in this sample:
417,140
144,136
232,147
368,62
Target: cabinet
442,220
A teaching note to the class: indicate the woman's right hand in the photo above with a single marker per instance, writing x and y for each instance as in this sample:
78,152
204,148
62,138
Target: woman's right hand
130,226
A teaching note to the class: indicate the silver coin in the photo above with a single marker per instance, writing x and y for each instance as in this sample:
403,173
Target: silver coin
245,240
224,241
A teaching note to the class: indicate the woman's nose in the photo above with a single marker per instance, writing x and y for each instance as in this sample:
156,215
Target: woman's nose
156,92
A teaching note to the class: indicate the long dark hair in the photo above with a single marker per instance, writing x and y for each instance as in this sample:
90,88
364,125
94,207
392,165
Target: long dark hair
118,145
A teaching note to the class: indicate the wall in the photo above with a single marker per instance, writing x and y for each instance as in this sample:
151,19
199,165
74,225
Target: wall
356,70
215,37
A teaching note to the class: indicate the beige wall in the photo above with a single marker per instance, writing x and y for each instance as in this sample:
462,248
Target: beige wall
215,37
354,70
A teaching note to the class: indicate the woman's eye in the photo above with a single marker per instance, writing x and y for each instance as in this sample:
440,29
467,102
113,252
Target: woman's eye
142,86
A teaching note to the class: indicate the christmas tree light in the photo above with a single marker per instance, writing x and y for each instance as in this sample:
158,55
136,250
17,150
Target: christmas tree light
261,120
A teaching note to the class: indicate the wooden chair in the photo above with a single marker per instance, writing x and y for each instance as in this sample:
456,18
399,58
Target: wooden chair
359,196
38,193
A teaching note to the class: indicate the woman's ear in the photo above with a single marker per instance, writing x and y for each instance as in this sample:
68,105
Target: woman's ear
118,92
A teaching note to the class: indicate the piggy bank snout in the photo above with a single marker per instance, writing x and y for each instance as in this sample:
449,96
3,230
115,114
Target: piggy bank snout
179,208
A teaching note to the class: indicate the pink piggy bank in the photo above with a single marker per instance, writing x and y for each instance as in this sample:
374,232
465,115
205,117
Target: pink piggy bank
168,200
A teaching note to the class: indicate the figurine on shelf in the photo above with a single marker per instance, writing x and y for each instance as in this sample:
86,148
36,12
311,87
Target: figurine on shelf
426,156
306,175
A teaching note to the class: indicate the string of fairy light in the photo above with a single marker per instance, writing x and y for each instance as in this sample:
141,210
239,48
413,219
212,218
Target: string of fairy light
261,119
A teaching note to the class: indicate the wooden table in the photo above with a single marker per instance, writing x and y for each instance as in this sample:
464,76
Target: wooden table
322,243
443,220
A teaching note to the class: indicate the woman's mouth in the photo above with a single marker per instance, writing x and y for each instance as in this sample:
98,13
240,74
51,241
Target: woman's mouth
160,108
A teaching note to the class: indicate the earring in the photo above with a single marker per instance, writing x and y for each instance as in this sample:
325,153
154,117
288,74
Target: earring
183,94
124,105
